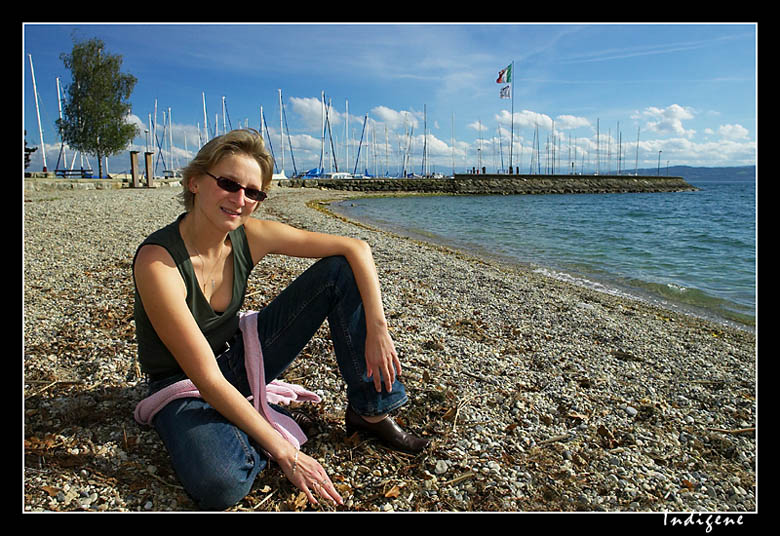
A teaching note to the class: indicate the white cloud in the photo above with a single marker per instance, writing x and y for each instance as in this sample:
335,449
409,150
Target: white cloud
435,146
309,109
394,119
524,119
733,132
570,122
681,150
669,120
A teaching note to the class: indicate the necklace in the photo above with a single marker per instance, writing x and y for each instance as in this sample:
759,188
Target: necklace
213,268
204,281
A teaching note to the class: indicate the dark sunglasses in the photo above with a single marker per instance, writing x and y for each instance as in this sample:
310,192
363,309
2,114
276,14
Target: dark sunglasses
232,186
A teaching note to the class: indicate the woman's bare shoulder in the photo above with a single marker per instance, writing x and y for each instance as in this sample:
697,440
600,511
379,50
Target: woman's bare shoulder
149,255
155,271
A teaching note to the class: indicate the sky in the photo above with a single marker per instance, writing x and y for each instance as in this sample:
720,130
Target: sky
678,94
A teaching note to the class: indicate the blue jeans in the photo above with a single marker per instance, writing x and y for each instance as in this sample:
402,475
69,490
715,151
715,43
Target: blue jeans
215,461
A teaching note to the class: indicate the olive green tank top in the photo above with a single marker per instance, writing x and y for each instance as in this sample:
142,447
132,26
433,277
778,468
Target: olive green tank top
218,327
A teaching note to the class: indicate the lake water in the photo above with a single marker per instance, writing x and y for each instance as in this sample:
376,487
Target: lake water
694,251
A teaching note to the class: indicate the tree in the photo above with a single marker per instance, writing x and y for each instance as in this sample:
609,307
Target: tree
96,108
27,151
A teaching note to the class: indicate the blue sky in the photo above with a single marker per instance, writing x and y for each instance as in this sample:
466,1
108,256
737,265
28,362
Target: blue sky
688,91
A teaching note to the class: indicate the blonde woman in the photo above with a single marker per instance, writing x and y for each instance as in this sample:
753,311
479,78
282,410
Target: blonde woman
190,279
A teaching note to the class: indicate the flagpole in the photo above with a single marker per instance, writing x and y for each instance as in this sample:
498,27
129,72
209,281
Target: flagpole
512,135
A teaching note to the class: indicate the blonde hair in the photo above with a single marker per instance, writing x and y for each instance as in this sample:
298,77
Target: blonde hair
246,141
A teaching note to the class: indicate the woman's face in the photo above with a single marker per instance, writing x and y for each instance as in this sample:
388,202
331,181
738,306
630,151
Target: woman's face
228,210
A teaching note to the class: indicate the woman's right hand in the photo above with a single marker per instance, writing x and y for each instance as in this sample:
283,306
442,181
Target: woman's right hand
309,476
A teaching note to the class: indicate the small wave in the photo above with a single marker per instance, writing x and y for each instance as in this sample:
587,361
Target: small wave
583,282
696,299
667,295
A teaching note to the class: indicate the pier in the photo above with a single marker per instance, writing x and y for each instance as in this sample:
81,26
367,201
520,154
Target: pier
503,184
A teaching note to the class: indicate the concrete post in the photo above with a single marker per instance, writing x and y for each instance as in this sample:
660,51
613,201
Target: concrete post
134,168
149,170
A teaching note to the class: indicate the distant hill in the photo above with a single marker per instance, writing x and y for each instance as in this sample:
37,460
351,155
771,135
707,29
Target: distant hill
707,174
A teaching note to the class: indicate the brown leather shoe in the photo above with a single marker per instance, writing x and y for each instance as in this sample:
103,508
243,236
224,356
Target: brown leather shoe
387,431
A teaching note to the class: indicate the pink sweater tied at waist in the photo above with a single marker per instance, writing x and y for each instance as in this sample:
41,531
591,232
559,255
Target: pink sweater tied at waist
276,392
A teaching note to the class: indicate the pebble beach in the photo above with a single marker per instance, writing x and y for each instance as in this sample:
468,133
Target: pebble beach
538,395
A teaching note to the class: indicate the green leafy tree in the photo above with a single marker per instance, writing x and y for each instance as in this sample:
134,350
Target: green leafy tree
27,152
96,107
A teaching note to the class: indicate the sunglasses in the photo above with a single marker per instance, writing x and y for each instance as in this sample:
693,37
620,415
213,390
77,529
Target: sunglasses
232,186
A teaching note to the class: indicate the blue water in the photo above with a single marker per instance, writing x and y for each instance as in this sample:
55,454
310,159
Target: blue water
694,251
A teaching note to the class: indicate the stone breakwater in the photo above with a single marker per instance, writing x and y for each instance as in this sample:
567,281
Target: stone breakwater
538,394
503,184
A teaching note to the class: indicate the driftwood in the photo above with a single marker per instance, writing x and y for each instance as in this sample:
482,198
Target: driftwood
733,432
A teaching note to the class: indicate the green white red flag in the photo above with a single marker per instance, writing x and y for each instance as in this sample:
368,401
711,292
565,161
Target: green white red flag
505,75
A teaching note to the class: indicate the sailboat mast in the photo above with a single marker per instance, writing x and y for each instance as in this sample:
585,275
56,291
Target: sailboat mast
636,161
155,143
149,136
205,119
619,148
281,130
553,147
170,141
373,144
425,140
62,142
452,141
289,140
224,125
357,159
329,110
38,113
479,149
322,136
598,140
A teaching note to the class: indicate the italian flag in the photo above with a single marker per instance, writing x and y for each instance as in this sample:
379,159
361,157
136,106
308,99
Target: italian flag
505,75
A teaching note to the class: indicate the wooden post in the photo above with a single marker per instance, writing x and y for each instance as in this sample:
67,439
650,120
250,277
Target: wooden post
134,168
149,170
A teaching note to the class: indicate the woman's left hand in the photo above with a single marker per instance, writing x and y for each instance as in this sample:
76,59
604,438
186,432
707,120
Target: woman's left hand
381,358
309,476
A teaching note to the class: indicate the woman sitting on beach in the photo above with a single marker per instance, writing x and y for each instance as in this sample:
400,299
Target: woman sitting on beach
190,280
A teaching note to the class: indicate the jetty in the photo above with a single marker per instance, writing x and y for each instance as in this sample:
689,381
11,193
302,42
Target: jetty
472,184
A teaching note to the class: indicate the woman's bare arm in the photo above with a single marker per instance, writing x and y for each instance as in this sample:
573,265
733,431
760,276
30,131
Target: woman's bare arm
163,295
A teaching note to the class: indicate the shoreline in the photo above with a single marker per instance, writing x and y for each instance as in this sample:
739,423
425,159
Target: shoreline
538,395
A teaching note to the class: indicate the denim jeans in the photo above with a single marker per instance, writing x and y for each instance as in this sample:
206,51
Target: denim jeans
215,461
